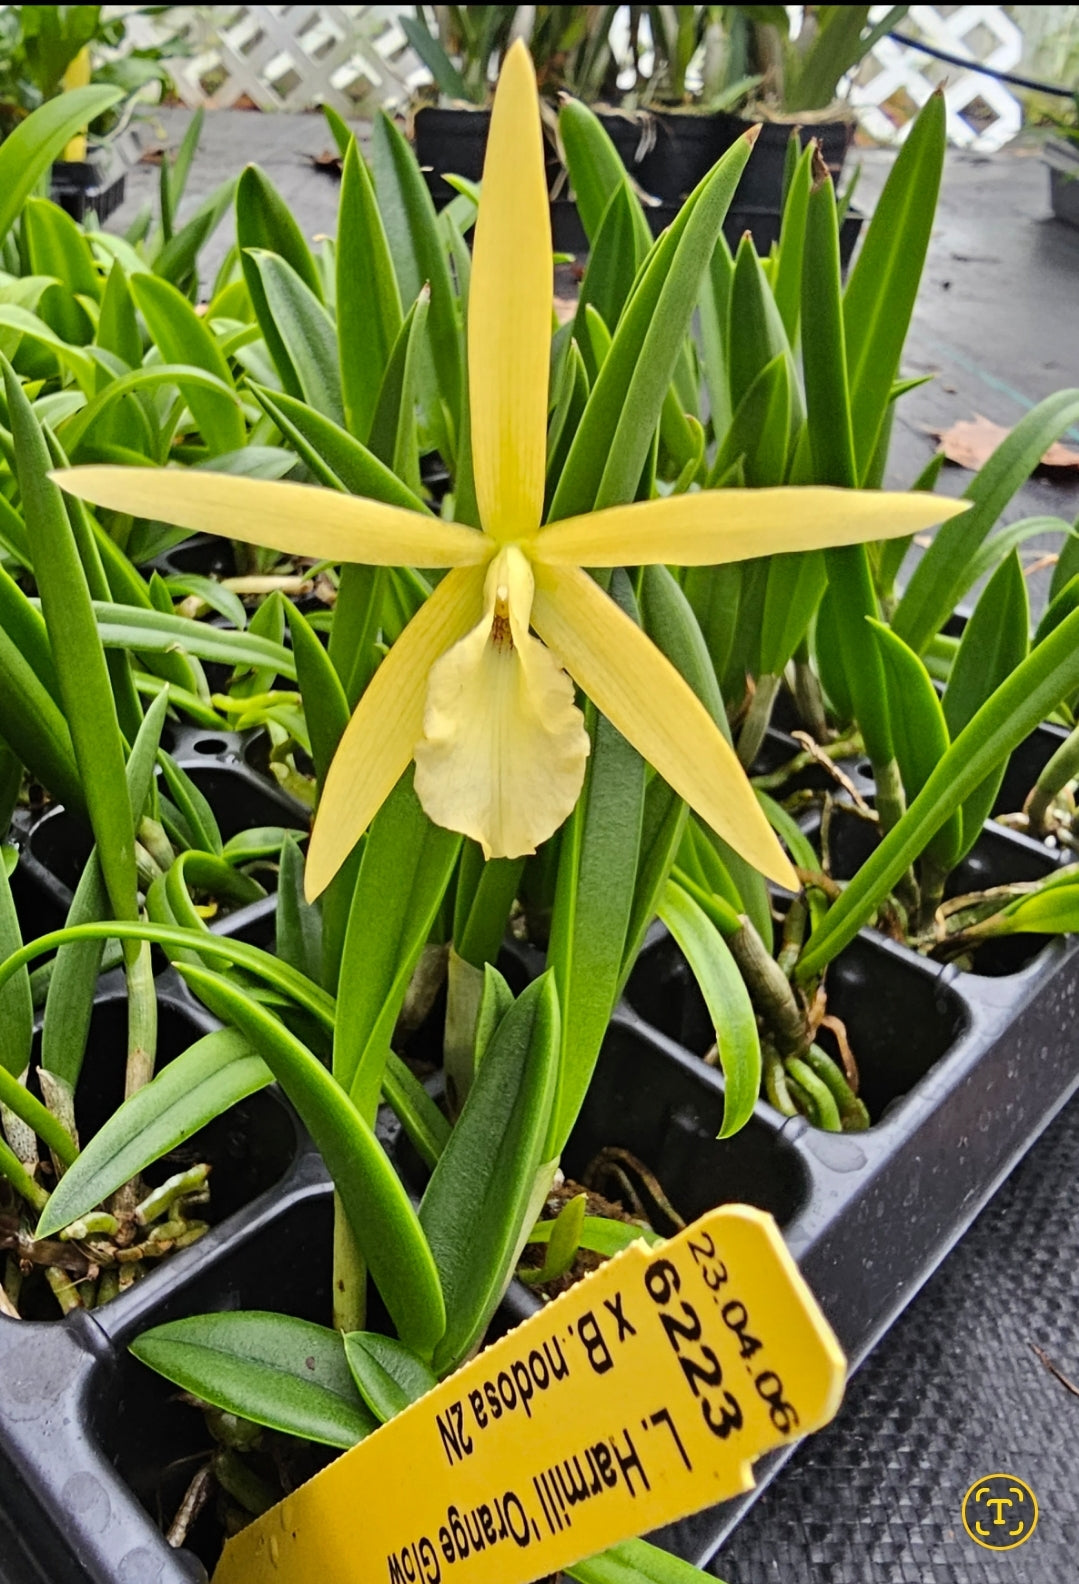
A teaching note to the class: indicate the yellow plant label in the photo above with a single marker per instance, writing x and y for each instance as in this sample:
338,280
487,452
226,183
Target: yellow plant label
641,1395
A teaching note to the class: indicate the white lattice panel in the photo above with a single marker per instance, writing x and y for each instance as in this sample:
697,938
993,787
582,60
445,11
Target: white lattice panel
983,114
289,57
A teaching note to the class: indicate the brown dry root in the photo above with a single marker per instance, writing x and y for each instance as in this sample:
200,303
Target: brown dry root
617,1173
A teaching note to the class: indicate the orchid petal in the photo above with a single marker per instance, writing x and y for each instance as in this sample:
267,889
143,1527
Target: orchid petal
299,519
714,526
642,694
509,319
504,749
379,740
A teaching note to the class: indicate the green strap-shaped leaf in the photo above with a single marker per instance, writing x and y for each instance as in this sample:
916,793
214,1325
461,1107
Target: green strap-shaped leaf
215,1073
616,255
177,260
883,284
727,999
611,445
756,334
124,627
830,408
77,653
1049,674
325,704
211,948
182,337
787,275
197,814
368,300
792,594
669,621
596,171
1052,910
476,1205
265,222
919,734
56,246
393,425
82,428
714,312
418,254
597,875
70,1000
995,641
299,922
339,461
406,867
37,141
379,1211
34,727
24,626
388,1375
447,78
758,434
942,575
272,1369
305,329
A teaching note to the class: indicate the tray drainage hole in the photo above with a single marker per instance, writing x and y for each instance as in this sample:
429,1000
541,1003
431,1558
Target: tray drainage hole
211,745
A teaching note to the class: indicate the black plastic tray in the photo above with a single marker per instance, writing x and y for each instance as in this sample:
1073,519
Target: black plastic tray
963,1070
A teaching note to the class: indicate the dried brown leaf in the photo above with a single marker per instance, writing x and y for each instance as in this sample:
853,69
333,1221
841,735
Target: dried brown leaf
970,442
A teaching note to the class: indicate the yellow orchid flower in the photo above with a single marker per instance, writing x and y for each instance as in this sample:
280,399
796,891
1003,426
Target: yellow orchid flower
485,708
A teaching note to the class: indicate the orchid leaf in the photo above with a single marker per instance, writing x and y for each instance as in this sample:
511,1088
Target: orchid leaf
727,999
271,1369
182,337
306,331
388,1375
368,299
475,1208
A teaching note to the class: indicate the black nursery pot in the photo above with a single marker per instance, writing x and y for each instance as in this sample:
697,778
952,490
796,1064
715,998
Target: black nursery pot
761,186
666,153
93,185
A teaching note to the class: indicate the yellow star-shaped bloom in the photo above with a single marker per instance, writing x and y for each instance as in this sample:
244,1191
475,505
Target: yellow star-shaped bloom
485,708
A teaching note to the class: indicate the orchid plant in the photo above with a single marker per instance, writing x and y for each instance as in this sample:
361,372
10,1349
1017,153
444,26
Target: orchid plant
461,782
